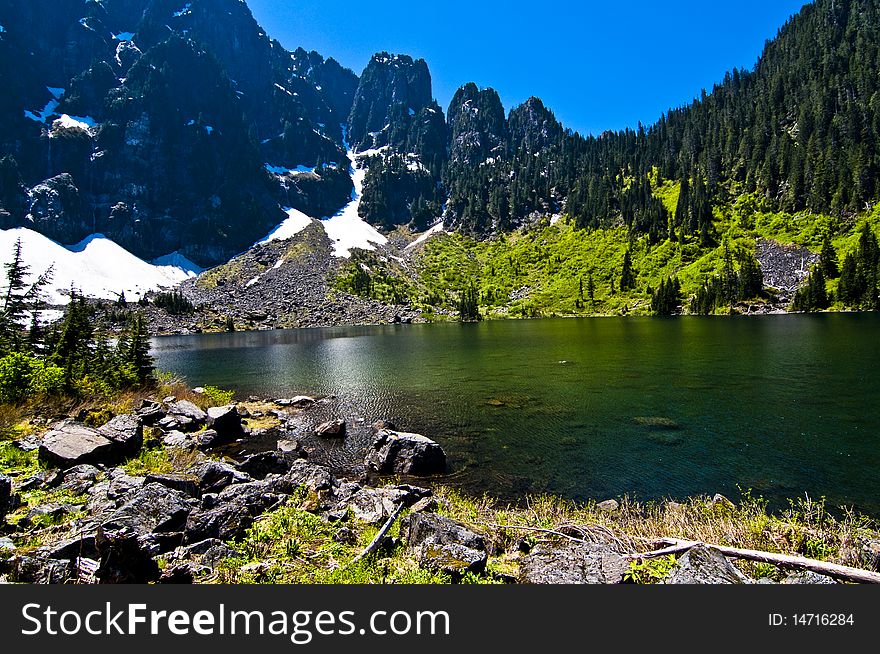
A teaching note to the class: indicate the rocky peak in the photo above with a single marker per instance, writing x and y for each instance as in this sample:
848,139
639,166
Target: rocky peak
532,126
477,125
392,90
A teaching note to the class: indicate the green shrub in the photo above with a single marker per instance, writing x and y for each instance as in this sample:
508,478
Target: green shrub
22,375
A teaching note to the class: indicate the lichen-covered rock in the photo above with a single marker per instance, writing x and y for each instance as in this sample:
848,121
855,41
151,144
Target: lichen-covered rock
444,545
70,443
126,431
393,452
214,476
574,563
152,508
331,429
705,565
235,510
808,577
226,421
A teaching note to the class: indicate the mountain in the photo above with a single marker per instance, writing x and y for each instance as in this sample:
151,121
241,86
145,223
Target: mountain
173,126
167,126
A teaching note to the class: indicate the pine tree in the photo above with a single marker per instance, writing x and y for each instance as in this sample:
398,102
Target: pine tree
134,350
469,305
828,259
627,276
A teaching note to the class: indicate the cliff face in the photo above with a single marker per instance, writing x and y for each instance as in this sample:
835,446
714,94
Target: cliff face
165,125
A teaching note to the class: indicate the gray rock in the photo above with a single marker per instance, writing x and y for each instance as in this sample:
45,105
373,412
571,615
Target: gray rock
32,570
609,506
178,439
705,565
187,409
444,545
302,473
70,443
226,421
808,577
375,505
6,545
331,429
574,563
259,466
237,507
72,548
209,552
150,412
214,476
125,558
126,432
206,439
152,508
186,484
393,452
8,500
79,479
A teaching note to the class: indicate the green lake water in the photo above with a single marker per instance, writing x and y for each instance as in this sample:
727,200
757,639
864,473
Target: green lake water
593,408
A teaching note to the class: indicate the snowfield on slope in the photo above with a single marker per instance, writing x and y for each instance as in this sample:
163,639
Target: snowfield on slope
96,267
346,229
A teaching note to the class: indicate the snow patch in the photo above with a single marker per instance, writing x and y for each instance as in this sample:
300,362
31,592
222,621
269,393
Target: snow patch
346,229
75,122
436,229
44,115
184,11
96,267
124,36
177,260
56,91
281,170
296,222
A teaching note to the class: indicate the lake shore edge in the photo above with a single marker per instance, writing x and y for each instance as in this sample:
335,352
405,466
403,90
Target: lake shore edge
145,490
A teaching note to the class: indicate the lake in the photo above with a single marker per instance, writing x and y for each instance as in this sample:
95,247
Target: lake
593,408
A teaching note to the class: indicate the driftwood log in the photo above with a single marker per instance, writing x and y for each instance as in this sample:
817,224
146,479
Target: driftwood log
840,572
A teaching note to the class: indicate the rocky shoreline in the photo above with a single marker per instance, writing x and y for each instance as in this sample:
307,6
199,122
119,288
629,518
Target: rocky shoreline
99,509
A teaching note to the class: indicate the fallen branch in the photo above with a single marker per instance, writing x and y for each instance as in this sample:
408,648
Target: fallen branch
536,529
841,572
374,544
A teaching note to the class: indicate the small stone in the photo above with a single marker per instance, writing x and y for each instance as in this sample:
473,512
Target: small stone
331,429
609,506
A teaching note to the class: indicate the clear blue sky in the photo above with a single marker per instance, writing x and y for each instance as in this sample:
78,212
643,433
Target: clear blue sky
598,65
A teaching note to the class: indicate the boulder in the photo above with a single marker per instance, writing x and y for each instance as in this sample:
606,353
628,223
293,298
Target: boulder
259,466
206,439
8,500
609,506
33,570
79,479
375,505
808,577
226,421
236,508
393,452
178,439
214,476
705,565
209,552
72,548
574,563
152,508
331,429
186,484
150,412
188,416
70,443
124,558
302,473
444,545
126,432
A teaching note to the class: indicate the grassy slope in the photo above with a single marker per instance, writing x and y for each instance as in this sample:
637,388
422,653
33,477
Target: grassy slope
538,271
